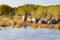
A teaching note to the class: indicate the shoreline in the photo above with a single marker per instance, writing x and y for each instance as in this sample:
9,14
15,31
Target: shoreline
18,23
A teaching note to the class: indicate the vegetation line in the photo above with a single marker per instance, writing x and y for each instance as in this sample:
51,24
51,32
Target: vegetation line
13,16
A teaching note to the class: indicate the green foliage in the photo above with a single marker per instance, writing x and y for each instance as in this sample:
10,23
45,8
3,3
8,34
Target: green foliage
6,10
31,10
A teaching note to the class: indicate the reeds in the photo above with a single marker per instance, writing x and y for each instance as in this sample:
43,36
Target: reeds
33,25
42,25
57,26
18,23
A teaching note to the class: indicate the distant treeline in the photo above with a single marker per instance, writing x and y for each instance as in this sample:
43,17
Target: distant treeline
30,9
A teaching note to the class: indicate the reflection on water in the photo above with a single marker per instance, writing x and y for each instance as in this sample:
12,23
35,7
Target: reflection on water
29,34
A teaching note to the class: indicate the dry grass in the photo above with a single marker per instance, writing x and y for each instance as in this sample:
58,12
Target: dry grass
57,26
34,25
50,26
24,25
17,23
42,25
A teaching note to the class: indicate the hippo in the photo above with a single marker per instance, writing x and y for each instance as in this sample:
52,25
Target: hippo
53,21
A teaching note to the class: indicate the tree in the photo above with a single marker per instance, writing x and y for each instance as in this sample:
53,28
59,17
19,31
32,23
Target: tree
6,10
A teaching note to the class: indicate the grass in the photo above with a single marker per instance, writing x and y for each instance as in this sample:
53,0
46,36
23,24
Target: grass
43,26
34,25
18,23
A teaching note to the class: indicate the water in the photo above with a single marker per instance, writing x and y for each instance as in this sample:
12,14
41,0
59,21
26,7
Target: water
29,34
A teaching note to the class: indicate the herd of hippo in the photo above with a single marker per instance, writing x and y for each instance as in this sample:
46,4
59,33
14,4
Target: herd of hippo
46,20
28,20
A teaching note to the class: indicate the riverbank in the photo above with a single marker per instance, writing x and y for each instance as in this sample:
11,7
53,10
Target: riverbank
18,23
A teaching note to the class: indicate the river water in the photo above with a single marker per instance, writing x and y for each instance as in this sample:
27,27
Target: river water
29,34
